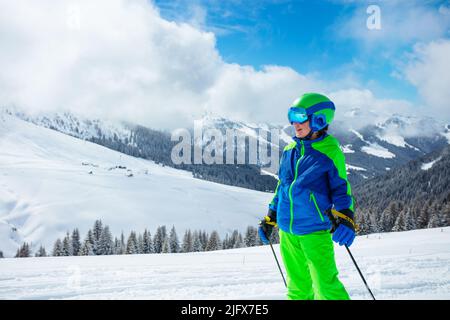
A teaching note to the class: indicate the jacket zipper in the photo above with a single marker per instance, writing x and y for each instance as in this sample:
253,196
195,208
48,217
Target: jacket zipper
302,153
313,197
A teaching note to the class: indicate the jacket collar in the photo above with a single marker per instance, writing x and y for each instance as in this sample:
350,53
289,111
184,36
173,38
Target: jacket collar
309,141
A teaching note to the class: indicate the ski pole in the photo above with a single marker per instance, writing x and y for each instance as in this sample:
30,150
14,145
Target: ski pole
362,277
276,259
278,264
333,221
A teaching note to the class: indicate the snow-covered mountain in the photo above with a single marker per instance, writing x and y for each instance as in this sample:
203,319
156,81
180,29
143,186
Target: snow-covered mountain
371,149
398,265
51,183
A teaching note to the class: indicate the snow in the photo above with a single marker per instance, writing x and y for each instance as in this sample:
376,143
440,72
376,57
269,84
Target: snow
45,190
359,135
269,173
428,165
347,149
376,150
396,140
402,265
373,148
350,167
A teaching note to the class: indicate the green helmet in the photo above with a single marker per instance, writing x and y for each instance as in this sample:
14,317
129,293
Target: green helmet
315,107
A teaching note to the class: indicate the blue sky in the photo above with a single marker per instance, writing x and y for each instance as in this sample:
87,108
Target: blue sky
327,38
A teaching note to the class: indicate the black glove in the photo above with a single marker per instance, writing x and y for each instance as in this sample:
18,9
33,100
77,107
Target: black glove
266,226
345,217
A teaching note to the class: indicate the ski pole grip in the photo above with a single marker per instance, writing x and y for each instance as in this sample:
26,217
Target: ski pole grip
332,219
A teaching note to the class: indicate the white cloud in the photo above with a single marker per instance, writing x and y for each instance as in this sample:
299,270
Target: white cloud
120,59
123,60
365,108
429,70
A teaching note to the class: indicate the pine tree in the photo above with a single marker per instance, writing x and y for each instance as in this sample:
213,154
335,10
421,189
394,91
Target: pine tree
446,214
148,243
196,243
1,254
24,251
67,246
122,243
424,216
204,239
361,222
187,245
239,242
399,224
140,244
87,248
226,242
213,242
159,238
97,232
250,236
105,243
117,250
58,248
436,221
165,247
132,247
90,238
409,220
389,216
234,240
76,244
173,241
373,222
41,252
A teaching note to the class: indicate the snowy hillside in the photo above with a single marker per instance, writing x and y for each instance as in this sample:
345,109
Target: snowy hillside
51,183
402,265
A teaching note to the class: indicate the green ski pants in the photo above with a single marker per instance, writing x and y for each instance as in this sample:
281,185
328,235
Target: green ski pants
310,266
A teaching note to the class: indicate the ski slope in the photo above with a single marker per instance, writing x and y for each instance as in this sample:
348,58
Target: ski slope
51,183
402,265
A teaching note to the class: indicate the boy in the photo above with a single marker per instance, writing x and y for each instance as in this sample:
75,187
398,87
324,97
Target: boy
312,180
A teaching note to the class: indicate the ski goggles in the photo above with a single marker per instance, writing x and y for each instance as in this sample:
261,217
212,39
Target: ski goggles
296,114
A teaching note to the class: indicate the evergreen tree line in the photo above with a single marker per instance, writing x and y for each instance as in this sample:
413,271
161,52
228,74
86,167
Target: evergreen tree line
100,241
407,198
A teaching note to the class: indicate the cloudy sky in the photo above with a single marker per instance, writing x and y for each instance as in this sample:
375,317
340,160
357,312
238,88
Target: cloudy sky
165,63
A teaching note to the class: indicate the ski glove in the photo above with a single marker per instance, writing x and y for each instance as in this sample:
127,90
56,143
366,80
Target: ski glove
344,229
266,226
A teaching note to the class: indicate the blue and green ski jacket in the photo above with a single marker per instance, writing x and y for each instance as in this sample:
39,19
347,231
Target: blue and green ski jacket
312,179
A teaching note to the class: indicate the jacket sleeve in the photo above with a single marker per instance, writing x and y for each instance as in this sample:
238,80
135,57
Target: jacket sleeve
274,203
341,193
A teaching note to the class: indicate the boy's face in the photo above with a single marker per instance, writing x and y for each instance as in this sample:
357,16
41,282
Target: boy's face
301,129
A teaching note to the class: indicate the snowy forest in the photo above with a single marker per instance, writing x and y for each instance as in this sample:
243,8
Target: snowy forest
100,241
407,198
